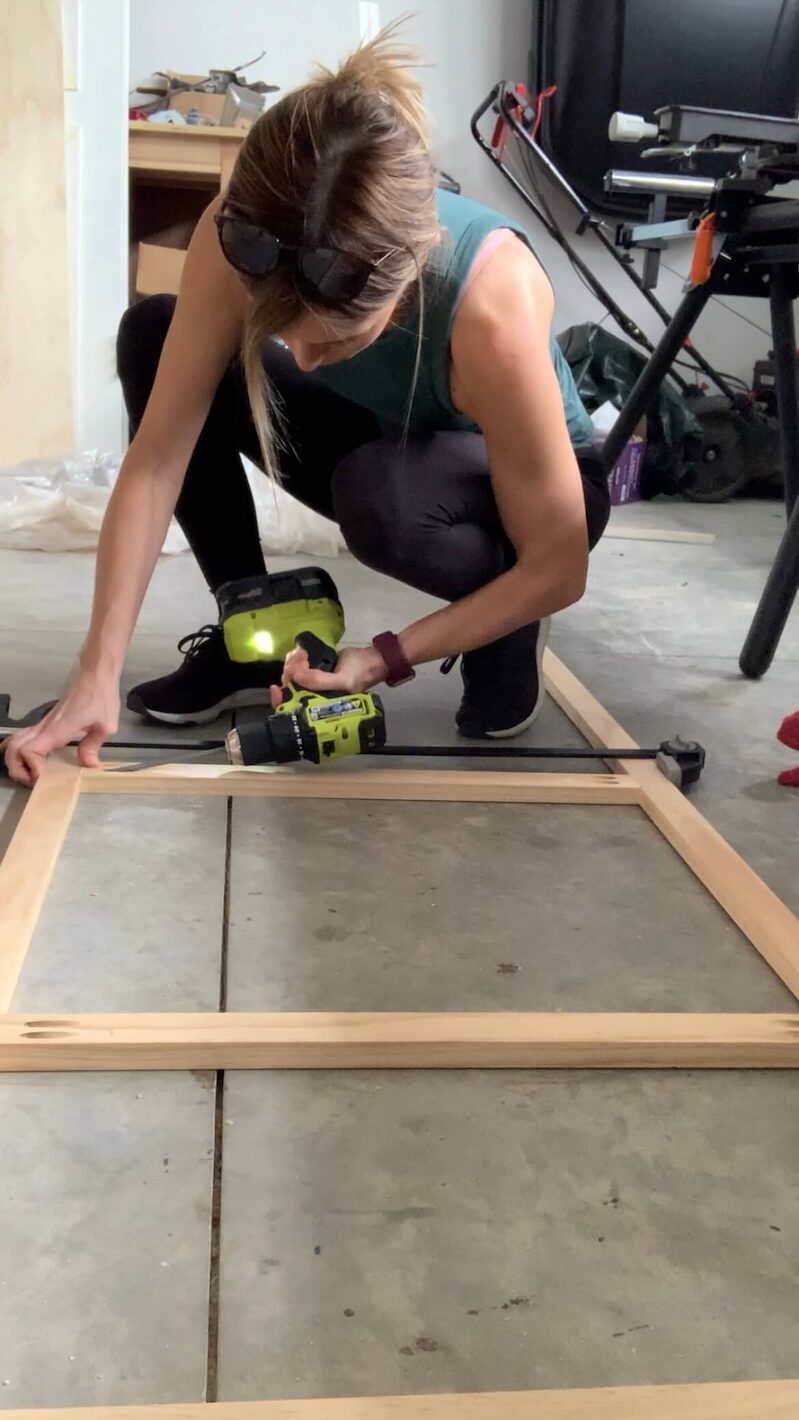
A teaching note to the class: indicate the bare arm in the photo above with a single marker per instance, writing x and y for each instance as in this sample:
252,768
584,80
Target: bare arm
202,338
143,501
503,378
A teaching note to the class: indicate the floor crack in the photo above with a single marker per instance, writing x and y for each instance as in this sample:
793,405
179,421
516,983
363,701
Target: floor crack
212,1347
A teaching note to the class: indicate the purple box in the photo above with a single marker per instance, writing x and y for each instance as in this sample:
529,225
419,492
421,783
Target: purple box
624,480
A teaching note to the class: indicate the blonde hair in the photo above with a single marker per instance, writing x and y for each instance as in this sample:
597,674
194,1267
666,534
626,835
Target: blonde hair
342,162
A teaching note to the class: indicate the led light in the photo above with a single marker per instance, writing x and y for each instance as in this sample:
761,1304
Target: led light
263,643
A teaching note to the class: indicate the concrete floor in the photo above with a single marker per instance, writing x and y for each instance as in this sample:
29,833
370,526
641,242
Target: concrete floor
405,1231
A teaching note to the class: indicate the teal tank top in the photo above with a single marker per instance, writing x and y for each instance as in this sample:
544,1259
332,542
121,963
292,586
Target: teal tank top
380,377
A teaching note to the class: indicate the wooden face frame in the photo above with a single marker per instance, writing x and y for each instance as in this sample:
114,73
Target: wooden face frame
735,1400
410,1040
502,1039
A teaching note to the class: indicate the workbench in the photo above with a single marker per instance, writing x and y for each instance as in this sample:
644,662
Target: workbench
182,154
175,171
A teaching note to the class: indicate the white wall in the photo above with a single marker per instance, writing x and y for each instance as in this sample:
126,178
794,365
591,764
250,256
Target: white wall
193,36
465,45
96,101
468,45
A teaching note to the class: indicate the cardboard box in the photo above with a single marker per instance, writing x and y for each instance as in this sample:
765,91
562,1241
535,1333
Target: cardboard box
158,270
172,74
210,106
624,479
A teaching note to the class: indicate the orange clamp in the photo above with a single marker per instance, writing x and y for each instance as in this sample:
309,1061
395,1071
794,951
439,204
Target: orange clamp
702,260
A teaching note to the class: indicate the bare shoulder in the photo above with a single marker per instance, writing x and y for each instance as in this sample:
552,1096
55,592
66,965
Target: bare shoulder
209,282
204,334
509,301
512,279
206,328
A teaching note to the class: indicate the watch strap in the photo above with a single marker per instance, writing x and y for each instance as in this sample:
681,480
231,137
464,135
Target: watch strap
398,667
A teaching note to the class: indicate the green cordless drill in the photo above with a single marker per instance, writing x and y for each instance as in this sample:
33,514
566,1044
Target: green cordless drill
264,618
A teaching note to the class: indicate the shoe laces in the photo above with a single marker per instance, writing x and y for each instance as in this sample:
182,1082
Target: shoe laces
196,640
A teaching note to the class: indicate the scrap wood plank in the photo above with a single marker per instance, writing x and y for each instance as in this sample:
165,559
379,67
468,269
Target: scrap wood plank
28,864
253,1040
736,1400
636,534
311,782
770,926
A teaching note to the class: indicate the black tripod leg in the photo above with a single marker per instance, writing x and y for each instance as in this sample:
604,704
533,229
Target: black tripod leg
783,580
787,383
775,603
655,370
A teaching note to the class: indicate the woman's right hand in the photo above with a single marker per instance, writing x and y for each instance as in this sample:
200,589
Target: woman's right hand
89,712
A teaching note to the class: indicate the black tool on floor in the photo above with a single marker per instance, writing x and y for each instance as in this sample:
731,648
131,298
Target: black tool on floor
8,725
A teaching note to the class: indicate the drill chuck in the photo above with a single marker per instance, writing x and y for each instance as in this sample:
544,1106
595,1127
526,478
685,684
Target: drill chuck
275,739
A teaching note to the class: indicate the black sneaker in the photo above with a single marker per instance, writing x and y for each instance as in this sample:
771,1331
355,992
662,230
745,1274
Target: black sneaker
207,683
503,687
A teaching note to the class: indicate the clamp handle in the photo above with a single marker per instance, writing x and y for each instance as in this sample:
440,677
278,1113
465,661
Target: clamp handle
682,761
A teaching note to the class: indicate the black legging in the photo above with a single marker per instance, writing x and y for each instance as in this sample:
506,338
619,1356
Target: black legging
422,512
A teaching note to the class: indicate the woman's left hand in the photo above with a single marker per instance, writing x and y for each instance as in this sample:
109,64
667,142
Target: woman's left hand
359,668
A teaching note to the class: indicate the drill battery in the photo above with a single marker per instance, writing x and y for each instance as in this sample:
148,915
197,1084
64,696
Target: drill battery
261,616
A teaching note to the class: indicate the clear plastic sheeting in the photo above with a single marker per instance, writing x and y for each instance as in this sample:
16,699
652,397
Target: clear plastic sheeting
55,505
58,505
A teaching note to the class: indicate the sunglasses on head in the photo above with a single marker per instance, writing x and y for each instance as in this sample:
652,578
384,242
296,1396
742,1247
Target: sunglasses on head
322,273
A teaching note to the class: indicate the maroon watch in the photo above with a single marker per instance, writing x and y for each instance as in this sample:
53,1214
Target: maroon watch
398,667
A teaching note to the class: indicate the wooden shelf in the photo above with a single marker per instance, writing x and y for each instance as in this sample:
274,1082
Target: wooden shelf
183,151
175,170
185,130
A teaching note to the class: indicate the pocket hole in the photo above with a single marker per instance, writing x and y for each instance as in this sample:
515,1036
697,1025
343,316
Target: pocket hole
49,1022
46,1034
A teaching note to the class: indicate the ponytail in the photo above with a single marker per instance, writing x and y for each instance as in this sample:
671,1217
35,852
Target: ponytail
343,162
383,66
